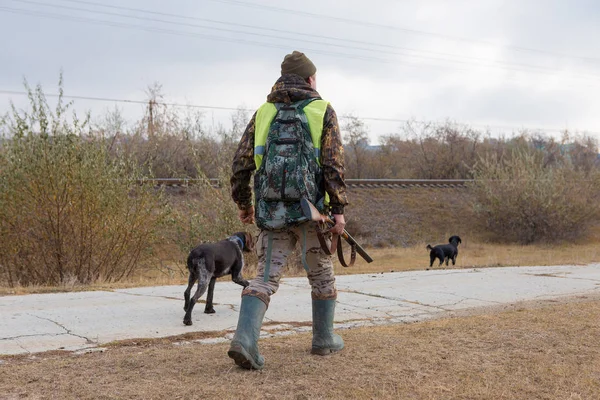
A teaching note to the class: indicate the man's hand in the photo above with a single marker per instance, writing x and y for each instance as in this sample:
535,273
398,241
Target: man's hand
340,223
247,215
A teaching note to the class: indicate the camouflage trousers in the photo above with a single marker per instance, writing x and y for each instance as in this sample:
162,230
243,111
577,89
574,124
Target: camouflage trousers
320,266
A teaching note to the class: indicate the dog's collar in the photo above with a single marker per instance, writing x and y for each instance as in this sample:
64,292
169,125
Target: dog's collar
238,240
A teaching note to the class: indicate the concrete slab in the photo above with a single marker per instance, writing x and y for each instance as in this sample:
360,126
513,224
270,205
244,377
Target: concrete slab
75,321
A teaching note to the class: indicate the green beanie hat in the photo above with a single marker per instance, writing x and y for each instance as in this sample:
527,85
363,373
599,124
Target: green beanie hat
297,63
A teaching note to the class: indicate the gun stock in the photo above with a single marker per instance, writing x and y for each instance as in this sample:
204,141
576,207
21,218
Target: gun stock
312,213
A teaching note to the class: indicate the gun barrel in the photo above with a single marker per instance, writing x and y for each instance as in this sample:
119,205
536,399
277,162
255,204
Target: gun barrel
348,238
359,248
311,212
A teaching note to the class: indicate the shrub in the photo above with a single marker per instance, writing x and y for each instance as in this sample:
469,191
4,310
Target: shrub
518,199
204,213
69,213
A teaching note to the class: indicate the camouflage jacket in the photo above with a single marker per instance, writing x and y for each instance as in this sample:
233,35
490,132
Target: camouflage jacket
288,89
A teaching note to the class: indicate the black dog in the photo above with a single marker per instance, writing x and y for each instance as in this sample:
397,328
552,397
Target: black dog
210,261
444,251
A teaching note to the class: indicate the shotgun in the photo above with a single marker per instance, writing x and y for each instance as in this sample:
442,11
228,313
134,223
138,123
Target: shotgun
311,212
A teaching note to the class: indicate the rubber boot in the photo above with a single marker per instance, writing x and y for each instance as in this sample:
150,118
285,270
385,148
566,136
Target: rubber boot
244,346
324,340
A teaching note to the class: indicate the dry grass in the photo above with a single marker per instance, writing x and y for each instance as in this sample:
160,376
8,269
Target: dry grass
471,255
405,217
476,255
551,352
407,220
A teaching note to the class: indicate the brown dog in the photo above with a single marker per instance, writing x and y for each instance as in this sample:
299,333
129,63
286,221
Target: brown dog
210,261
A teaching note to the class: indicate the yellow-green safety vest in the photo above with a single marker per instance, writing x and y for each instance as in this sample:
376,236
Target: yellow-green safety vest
315,113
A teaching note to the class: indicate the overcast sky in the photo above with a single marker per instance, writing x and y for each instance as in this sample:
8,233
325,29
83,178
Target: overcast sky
520,63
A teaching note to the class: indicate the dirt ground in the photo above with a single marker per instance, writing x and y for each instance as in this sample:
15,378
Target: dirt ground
541,350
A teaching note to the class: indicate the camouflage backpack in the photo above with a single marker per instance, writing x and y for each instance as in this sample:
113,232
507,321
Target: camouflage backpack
289,170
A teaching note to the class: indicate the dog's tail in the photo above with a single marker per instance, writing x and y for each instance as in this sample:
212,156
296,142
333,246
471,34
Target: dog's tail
429,247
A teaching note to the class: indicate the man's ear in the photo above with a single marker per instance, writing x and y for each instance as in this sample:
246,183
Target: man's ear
312,81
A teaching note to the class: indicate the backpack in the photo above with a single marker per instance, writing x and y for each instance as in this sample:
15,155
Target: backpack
289,171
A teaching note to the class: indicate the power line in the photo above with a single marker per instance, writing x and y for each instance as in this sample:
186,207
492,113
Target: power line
501,65
113,100
406,30
64,17
342,116
110,23
294,34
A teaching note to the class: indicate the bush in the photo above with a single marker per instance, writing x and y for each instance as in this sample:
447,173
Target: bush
69,213
520,200
204,213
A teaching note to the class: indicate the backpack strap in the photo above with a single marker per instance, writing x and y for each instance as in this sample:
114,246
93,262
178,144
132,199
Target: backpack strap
267,270
306,102
304,263
303,117
298,105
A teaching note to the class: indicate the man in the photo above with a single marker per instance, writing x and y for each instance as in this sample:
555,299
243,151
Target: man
294,147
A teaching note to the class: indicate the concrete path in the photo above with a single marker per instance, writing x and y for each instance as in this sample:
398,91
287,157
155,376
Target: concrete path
87,320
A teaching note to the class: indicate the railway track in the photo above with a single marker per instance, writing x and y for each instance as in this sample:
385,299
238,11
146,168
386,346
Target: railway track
353,183
403,183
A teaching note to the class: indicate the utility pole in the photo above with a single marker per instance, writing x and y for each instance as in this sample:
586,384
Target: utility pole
151,118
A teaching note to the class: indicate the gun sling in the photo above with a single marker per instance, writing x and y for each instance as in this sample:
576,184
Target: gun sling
335,242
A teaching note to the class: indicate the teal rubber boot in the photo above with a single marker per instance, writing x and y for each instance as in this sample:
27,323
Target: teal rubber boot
324,340
244,346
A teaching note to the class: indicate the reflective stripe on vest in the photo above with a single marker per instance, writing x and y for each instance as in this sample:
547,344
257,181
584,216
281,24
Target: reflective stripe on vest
315,113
